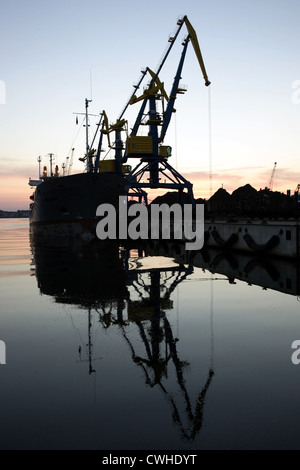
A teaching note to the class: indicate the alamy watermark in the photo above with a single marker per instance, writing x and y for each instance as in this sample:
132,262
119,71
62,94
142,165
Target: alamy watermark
296,93
2,92
296,354
2,353
136,221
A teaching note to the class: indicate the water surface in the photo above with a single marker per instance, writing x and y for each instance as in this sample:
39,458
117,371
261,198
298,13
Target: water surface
108,349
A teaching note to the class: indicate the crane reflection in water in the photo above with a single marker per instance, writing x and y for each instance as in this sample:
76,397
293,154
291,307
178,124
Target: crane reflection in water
134,297
130,291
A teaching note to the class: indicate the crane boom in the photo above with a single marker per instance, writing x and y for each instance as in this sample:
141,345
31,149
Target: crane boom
69,169
170,107
194,39
192,36
272,177
171,41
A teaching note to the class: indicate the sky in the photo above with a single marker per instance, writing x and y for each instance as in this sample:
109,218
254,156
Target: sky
55,54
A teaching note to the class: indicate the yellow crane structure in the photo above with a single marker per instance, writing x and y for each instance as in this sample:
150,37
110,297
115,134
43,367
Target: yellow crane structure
156,110
149,149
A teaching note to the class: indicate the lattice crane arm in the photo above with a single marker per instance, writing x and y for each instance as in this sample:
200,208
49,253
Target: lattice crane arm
272,177
194,40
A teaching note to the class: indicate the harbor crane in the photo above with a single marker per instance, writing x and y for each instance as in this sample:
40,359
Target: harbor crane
149,149
272,177
152,154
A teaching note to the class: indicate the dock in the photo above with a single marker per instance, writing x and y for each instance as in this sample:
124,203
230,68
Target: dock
276,238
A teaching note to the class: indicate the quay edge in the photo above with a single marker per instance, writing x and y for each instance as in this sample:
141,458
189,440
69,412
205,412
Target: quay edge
268,237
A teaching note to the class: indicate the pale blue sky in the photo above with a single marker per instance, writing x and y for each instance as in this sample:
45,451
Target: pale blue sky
252,54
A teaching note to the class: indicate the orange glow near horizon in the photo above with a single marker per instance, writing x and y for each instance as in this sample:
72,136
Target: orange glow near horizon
15,192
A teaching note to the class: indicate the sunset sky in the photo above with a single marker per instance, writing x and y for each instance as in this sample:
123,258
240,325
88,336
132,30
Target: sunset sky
54,54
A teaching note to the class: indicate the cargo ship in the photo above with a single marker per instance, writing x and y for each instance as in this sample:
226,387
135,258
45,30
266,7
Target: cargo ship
61,200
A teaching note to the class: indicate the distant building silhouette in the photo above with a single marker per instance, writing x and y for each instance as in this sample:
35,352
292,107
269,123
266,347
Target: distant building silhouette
245,201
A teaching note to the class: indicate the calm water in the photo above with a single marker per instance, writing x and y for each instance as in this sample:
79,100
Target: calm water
107,349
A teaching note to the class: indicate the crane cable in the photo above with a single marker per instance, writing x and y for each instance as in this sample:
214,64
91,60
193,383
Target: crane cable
210,142
72,145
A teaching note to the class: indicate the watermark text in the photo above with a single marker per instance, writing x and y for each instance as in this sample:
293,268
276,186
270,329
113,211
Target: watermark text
151,459
136,221
296,93
2,92
296,354
2,353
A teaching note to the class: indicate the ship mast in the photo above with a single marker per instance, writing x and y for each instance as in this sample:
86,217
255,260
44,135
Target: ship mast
88,158
51,155
39,162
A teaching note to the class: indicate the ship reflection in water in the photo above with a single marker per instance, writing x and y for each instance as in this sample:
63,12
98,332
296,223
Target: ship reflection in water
99,279
128,292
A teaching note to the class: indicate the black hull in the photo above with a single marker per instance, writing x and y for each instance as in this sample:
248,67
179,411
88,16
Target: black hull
66,207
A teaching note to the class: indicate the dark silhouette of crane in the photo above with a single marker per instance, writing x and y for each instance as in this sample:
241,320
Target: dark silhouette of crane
272,177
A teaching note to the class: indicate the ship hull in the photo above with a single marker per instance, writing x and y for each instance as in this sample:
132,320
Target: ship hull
66,207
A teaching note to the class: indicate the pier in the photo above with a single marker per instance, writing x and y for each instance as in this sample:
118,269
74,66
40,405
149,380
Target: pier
276,238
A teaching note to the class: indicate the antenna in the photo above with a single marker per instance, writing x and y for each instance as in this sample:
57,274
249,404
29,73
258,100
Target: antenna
39,160
51,155
91,84
88,158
